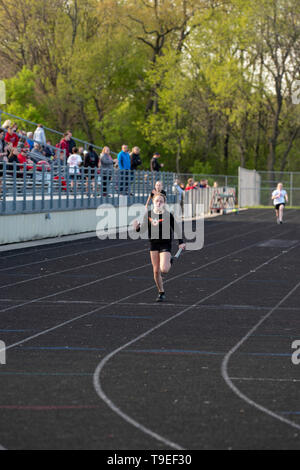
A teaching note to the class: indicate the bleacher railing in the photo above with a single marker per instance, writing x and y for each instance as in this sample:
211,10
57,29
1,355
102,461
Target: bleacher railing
84,143
45,187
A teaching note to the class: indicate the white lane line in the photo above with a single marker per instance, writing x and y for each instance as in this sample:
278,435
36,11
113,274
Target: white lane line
67,244
264,379
55,273
125,298
103,362
13,284
228,380
134,269
65,256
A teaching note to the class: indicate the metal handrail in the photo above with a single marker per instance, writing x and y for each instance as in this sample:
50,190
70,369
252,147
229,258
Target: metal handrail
49,129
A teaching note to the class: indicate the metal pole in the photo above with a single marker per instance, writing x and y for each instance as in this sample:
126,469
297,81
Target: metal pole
291,188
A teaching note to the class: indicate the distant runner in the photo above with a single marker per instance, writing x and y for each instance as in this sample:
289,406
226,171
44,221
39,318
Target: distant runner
280,198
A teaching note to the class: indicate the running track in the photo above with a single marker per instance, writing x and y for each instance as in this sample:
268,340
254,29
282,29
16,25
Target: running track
92,362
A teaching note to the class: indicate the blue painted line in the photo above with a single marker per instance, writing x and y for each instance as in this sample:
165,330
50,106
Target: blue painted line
270,335
15,331
59,348
125,316
290,412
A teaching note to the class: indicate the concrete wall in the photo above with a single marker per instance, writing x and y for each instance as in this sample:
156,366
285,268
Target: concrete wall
25,227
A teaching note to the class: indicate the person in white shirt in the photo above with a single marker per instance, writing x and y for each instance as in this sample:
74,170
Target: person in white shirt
74,162
39,135
280,198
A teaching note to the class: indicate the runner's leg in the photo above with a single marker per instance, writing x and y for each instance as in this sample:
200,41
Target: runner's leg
281,212
154,255
165,261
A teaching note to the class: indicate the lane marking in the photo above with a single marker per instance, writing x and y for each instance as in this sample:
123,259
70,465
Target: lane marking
225,362
105,360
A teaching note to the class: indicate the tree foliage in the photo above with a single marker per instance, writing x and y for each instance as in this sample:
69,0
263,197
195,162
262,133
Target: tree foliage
207,83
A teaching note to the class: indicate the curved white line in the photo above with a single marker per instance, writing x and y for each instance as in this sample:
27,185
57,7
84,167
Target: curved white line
99,368
228,380
115,302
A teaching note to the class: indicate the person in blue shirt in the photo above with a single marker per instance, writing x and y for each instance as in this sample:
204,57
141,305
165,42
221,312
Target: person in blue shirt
124,162
30,140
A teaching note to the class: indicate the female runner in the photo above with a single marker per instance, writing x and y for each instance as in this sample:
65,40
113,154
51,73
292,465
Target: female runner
279,197
161,226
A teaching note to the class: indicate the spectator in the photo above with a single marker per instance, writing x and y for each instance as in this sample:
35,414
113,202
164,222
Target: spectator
124,162
74,162
82,152
36,152
2,144
155,165
190,184
107,165
3,157
91,160
177,187
124,158
48,150
12,155
58,159
11,137
157,190
6,124
135,158
64,144
72,142
203,183
30,140
22,143
23,160
39,135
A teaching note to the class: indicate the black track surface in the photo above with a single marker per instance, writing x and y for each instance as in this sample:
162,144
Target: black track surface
96,296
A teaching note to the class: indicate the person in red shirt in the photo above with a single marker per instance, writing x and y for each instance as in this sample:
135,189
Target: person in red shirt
64,143
11,137
190,184
23,158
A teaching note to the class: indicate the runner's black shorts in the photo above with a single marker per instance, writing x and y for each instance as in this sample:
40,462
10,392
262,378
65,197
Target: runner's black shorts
278,205
161,245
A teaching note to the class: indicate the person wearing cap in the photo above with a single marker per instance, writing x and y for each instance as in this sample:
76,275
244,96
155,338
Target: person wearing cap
154,164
